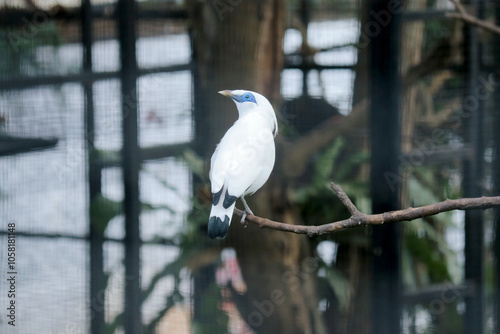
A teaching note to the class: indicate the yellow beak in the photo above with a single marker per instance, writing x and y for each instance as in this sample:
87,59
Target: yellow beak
226,93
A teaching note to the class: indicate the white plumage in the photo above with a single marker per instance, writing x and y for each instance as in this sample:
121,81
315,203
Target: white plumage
243,160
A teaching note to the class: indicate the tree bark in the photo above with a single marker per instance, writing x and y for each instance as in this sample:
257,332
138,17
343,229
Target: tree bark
411,54
353,259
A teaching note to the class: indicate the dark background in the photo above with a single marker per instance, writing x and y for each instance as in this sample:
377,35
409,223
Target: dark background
109,114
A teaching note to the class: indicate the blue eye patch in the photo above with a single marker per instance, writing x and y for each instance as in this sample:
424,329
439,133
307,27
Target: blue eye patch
246,97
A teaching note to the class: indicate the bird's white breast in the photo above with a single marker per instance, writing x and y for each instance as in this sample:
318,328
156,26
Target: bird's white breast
244,158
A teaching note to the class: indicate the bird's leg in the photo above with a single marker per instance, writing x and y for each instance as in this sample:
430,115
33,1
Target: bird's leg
242,221
247,210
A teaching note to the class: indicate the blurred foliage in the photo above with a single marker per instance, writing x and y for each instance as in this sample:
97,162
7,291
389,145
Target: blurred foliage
194,256
337,282
20,49
102,210
192,246
436,30
427,257
317,201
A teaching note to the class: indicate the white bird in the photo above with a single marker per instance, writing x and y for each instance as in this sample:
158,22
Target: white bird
243,160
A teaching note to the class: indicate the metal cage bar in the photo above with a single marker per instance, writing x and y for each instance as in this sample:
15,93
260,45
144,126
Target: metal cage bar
385,138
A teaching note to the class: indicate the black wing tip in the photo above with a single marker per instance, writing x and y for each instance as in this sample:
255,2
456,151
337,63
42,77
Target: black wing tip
228,200
217,229
216,197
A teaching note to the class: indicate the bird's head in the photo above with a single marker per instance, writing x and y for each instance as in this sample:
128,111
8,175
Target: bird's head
240,96
247,101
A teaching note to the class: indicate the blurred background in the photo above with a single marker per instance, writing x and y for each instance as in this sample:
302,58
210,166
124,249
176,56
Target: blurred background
109,114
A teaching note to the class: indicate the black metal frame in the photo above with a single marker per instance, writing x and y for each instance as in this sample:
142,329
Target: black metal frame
130,164
385,141
474,320
385,92
385,136
126,16
496,175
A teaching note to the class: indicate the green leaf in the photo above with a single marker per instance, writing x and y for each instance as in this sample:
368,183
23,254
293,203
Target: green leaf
102,210
339,284
324,164
195,163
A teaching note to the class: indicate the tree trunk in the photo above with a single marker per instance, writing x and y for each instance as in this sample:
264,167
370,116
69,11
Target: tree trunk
238,45
411,55
353,260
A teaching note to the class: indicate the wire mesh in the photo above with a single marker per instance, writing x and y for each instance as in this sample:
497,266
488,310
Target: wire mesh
45,185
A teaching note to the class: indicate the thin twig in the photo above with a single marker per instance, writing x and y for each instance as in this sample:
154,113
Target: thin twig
360,219
463,15
459,7
344,199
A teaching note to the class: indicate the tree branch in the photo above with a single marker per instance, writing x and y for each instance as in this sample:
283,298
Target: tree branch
360,219
462,14
296,154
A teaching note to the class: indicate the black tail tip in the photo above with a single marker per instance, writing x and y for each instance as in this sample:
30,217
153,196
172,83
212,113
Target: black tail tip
217,229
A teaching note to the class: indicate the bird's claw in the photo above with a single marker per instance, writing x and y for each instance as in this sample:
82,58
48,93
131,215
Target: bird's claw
245,224
245,214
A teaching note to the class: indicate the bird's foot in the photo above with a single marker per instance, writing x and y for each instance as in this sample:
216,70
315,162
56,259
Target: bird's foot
245,214
245,224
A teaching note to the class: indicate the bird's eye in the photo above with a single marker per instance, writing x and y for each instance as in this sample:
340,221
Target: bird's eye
247,96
